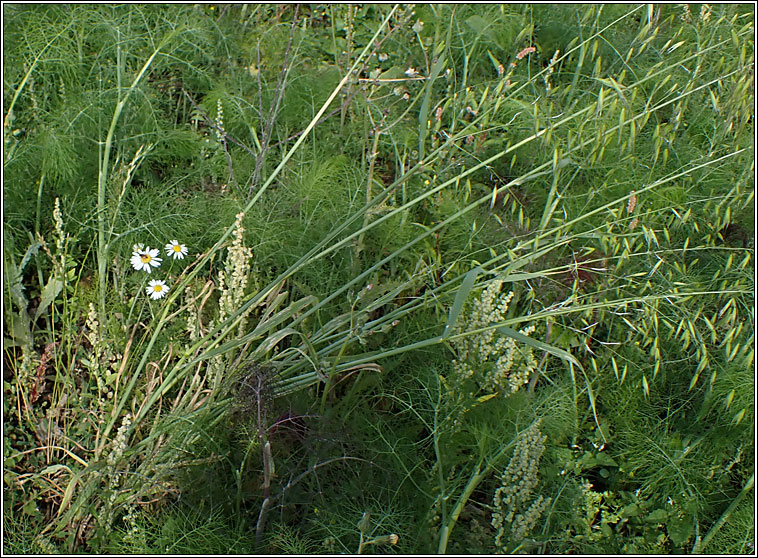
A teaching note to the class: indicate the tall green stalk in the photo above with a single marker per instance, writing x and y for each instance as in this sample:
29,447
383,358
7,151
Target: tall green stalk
103,246
700,545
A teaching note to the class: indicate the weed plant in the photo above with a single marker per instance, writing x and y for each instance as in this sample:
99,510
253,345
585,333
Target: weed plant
464,279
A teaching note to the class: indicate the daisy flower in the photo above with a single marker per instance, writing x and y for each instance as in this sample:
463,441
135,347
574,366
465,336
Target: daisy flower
175,249
145,259
157,289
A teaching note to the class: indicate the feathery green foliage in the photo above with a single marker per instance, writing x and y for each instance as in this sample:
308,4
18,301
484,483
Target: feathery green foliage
354,183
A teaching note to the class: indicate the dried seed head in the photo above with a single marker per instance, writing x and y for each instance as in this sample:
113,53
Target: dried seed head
526,51
632,202
255,393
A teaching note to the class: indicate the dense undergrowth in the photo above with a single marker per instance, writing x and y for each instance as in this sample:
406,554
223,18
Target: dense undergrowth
466,279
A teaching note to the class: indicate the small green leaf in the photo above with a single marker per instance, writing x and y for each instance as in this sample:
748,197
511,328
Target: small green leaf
30,508
460,300
587,461
680,529
364,525
395,72
487,397
631,510
51,290
19,327
657,516
31,251
605,460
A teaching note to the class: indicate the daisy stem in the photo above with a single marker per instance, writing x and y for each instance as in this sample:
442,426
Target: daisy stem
134,301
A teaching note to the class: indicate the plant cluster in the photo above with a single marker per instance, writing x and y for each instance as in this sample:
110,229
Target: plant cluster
493,356
512,517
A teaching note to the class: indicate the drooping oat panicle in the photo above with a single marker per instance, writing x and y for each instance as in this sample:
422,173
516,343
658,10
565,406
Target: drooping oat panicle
705,13
686,14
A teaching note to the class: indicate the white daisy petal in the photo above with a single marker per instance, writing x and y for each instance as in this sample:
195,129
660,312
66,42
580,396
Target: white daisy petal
155,261
136,261
157,289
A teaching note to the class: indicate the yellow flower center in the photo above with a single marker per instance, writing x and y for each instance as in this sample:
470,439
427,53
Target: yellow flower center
177,248
158,288
145,258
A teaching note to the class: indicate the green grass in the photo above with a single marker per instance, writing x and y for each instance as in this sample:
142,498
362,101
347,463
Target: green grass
325,373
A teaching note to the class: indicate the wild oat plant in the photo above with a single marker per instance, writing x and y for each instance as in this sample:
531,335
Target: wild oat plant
445,237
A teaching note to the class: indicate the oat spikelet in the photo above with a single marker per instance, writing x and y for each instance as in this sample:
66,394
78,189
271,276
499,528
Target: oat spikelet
632,203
